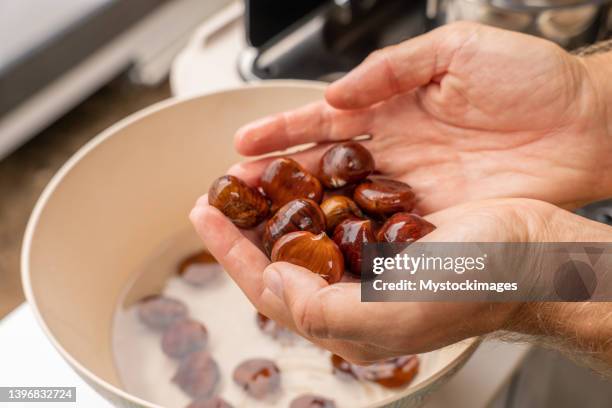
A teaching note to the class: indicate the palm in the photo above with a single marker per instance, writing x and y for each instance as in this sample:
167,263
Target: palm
493,125
481,113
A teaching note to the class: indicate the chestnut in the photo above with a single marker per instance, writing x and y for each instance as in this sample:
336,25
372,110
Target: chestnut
317,253
199,269
197,375
159,312
392,373
285,179
243,205
349,236
184,337
404,227
214,402
382,196
345,163
346,191
270,327
338,209
297,215
312,401
259,377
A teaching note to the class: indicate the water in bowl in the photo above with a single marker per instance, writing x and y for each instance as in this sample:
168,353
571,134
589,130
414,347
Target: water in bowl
233,336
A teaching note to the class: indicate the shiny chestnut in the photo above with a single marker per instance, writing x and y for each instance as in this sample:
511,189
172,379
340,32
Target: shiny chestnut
350,235
297,215
404,227
338,209
243,205
382,196
317,253
345,163
285,179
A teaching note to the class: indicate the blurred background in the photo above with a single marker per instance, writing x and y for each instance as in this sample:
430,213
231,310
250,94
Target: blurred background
71,68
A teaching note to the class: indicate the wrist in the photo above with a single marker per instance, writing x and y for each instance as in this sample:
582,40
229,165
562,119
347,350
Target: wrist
582,329
598,71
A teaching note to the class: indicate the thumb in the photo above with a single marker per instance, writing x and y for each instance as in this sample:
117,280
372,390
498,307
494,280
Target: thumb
317,309
400,68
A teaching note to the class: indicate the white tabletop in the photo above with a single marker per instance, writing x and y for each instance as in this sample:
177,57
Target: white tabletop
28,359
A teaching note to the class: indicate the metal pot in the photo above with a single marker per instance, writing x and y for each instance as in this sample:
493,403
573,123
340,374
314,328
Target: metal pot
569,23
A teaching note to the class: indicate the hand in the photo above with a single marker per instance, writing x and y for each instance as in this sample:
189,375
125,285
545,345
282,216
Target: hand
334,317
461,113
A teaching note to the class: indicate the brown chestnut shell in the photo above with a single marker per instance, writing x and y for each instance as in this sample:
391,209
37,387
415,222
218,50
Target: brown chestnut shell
312,401
297,215
392,373
338,209
214,402
199,269
404,227
243,205
345,163
318,253
383,196
285,179
197,375
259,377
350,235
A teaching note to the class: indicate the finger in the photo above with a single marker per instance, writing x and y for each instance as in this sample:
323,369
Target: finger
321,311
241,258
400,68
250,171
313,123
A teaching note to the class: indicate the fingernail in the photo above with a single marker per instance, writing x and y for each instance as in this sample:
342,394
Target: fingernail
273,281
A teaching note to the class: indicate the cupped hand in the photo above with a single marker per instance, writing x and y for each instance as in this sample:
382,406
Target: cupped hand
461,113
334,317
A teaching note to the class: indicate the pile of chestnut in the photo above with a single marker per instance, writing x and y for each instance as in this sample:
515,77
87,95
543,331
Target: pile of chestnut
320,222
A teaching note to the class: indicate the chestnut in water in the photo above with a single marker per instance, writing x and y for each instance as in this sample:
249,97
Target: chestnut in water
243,205
349,236
392,373
404,227
338,209
382,196
184,337
345,163
214,402
317,253
285,179
270,327
312,401
259,377
158,312
199,269
197,375
297,215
